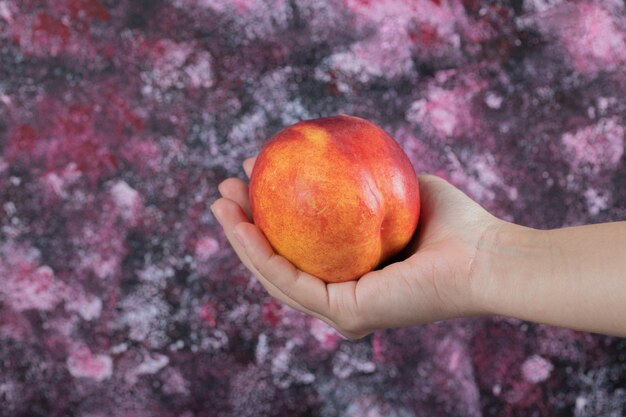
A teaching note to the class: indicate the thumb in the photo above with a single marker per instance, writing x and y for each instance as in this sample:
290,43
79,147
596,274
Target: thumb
400,294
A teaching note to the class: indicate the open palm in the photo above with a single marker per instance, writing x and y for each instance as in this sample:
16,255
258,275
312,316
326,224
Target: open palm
432,279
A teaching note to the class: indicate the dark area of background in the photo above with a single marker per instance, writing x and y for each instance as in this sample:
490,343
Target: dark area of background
119,295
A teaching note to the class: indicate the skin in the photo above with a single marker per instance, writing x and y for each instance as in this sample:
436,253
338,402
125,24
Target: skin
462,261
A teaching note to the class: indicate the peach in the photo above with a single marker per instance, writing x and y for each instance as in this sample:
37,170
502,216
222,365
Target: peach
336,196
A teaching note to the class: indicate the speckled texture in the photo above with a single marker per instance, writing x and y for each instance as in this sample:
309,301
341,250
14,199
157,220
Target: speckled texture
119,295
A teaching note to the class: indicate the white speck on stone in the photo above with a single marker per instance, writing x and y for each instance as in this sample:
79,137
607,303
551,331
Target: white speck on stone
178,345
249,126
281,362
536,369
262,348
284,374
417,111
122,347
351,66
591,112
214,341
127,200
603,103
540,5
293,111
150,365
493,100
8,391
124,195
345,365
200,71
596,201
55,183
485,178
156,274
145,317
167,65
59,182
581,403
370,406
9,208
88,307
239,313
175,66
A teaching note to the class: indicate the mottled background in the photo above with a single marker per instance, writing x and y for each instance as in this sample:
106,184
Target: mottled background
119,295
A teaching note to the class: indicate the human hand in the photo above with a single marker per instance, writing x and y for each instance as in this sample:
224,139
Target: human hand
432,280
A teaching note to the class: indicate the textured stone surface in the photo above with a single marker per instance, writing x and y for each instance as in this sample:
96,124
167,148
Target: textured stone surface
119,295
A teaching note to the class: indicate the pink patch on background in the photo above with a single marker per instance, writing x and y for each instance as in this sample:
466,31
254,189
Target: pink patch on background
27,284
82,363
206,247
208,314
272,312
598,147
444,112
593,40
325,335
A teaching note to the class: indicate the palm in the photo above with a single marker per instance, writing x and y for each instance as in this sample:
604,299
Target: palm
431,277
426,283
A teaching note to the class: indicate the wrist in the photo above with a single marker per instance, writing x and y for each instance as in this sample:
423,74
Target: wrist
508,256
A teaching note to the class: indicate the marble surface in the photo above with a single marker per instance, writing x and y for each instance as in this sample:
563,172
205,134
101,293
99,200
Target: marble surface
119,295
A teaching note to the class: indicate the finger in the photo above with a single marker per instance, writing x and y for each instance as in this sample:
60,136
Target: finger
372,292
305,289
229,214
236,190
248,164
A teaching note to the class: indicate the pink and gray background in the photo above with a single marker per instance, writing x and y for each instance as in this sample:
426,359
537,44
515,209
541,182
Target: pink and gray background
119,295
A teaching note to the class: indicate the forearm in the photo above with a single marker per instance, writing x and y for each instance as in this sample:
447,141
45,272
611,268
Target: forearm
573,277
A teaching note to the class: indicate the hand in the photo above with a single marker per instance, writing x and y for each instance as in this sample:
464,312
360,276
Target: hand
432,281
